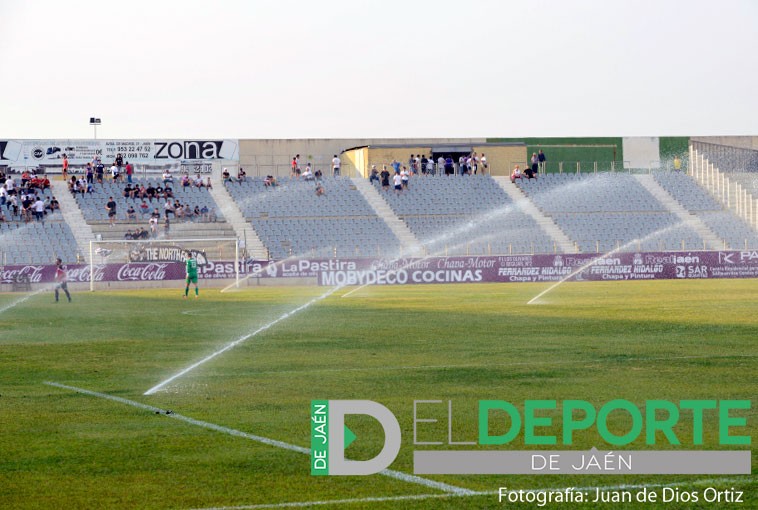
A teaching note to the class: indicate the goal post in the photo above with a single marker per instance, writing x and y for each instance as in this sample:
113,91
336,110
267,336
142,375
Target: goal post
151,260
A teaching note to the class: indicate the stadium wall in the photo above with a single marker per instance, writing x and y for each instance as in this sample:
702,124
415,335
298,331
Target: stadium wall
741,142
273,156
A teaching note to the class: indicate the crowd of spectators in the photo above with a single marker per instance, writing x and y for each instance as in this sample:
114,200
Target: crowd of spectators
24,200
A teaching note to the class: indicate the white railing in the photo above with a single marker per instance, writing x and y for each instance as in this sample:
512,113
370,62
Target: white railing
733,195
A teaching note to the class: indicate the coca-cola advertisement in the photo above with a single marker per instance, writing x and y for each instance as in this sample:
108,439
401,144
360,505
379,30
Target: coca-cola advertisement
506,268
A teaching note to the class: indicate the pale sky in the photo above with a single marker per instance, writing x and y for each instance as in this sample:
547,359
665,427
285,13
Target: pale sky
357,68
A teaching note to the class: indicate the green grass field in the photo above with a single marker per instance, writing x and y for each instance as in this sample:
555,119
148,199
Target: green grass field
592,341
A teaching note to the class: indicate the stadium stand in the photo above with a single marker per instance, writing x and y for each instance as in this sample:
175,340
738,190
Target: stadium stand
93,204
36,242
731,229
292,220
466,215
608,211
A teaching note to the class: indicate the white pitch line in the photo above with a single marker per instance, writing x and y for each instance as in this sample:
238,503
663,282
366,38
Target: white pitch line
398,475
235,343
301,504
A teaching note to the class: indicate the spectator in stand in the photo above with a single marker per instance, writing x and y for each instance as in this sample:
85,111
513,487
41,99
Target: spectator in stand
167,177
119,162
295,166
25,177
185,180
397,180
144,208
54,205
3,195
39,209
483,161
542,159
405,177
336,163
13,205
168,208
226,176
268,181
677,164
198,182
196,213
208,182
449,168
128,191
10,185
204,213
474,163
529,173
395,166
318,175
26,207
320,190
374,175
131,214
307,173
153,226
99,170
535,163
65,168
241,175
115,172
3,219
179,211
385,175
516,174
90,173
424,162
129,171
111,208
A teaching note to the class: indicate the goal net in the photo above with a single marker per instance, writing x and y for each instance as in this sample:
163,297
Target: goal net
143,261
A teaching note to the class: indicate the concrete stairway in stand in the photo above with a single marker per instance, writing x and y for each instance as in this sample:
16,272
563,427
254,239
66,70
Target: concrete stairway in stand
408,242
546,223
242,228
664,197
73,217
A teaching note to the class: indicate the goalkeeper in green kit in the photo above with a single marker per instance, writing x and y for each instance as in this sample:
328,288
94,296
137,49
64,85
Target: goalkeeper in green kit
191,273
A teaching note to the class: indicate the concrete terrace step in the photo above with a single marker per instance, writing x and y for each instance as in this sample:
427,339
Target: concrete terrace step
186,230
664,197
242,228
408,242
545,222
73,216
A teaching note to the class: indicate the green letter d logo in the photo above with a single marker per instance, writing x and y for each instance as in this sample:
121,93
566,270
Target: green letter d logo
334,462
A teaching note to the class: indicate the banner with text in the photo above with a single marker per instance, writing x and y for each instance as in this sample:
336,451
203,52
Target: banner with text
509,268
147,155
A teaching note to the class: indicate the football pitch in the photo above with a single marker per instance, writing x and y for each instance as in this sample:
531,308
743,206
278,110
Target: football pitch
78,431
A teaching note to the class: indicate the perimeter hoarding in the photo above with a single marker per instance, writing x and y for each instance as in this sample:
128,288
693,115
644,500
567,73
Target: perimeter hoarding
504,269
